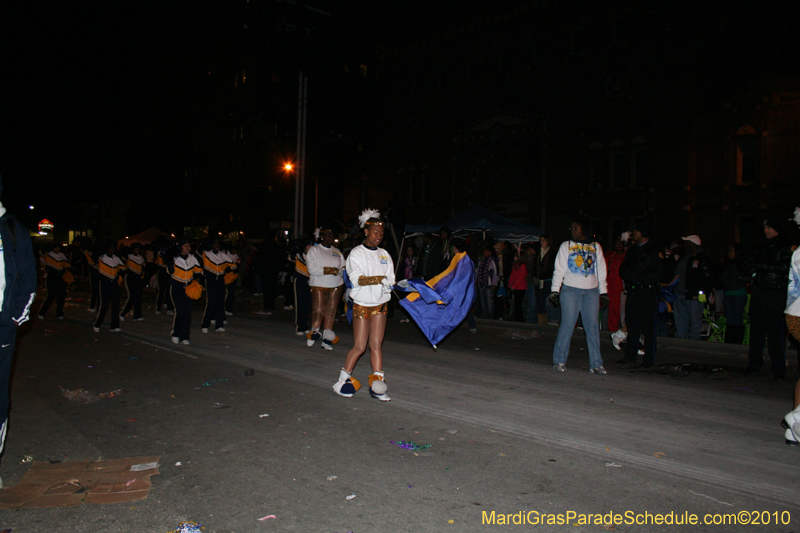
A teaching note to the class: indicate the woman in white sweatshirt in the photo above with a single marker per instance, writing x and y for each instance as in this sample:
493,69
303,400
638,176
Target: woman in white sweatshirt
325,264
371,273
579,287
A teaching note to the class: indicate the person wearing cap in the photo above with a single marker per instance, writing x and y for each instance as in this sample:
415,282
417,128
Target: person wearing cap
641,271
371,273
695,282
325,264
56,265
768,268
110,267
579,288
134,282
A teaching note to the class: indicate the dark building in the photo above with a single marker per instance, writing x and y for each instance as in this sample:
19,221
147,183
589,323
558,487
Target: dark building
682,113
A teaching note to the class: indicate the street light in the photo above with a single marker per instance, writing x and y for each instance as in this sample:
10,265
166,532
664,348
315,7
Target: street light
288,167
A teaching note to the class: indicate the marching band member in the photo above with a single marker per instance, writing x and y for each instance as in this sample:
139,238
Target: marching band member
94,276
110,268
56,265
325,263
371,273
302,291
134,282
232,255
183,269
215,264
163,278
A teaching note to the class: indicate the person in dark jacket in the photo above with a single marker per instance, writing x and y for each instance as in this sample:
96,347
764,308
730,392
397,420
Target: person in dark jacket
768,268
695,282
546,311
734,286
641,271
17,293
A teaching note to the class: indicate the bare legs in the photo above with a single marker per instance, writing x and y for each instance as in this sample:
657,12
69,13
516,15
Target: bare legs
323,305
367,332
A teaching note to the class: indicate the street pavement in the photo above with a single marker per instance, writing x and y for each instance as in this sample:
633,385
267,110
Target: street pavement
509,438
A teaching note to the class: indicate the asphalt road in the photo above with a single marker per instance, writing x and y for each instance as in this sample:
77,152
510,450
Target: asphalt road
508,435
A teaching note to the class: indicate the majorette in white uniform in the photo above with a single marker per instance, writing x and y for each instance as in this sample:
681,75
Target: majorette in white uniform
319,257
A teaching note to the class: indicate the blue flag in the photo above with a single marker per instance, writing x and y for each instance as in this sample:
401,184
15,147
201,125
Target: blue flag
442,303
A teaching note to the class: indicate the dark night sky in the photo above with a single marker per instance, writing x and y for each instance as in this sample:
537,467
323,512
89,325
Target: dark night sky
104,101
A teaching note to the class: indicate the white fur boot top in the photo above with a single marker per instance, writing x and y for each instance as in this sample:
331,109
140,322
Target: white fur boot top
377,386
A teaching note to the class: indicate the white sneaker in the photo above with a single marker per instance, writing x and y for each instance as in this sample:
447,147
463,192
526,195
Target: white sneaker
116,330
560,368
41,317
90,310
301,333
121,318
60,317
170,313
228,313
313,337
185,342
158,312
473,330
225,322
288,307
140,319
176,340
599,370
326,345
220,330
96,330
204,330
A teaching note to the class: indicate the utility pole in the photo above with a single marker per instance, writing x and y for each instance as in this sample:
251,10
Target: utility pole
302,105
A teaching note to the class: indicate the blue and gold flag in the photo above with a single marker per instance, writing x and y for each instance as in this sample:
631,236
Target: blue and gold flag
440,304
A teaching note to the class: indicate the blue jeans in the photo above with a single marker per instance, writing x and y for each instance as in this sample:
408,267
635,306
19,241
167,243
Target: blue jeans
487,302
586,303
530,296
688,316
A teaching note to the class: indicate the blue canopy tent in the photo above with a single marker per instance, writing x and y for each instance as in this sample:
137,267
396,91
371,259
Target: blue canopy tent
478,219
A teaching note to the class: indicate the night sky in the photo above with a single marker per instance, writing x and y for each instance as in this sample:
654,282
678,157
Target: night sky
103,101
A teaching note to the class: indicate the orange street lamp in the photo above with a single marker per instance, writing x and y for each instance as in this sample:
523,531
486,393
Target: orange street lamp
288,167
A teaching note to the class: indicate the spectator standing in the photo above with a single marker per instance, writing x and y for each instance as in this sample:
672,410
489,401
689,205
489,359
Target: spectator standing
487,280
518,282
532,264
579,288
734,285
641,271
548,313
695,283
615,285
768,266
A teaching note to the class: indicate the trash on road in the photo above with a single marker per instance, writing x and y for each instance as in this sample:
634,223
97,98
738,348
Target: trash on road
331,478
85,396
350,497
659,455
263,416
70,484
410,445
189,527
208,383
26,459
519,335
218,405
453,431
614,465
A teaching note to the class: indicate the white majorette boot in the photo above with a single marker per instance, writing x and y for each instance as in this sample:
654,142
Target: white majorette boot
329,338
791,423
313,336
377,386
347,385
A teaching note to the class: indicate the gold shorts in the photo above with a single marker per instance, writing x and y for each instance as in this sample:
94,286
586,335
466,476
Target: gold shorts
324,289
363,311
793,323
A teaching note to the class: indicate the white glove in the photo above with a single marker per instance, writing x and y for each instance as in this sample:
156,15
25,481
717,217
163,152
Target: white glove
387,285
